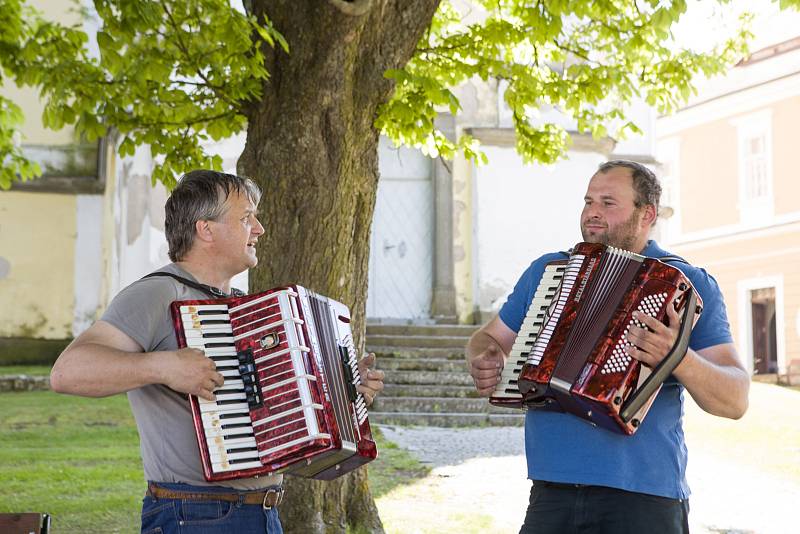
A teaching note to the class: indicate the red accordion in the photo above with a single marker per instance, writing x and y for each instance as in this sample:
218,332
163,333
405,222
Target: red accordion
289,403
569,354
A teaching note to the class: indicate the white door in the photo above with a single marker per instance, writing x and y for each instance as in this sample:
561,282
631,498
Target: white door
401,244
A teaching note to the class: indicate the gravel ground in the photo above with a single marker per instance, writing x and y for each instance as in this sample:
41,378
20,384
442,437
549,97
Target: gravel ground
482,471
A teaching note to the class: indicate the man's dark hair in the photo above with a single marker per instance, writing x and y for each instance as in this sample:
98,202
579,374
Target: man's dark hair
645,183
200,196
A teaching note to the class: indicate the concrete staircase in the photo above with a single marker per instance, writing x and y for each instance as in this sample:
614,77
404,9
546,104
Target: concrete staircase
427,382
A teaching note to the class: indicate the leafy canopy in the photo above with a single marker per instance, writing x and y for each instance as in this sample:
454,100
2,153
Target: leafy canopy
173,74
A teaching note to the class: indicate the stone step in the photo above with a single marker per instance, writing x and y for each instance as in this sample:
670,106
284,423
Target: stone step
414,390
420,364
376,329
449,378
416,352
387,404
24,383
451,342
446,420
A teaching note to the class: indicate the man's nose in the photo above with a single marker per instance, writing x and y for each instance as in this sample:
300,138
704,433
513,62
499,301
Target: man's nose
258,229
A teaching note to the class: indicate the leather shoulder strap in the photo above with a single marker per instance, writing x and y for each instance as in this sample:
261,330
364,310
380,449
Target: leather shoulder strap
210,290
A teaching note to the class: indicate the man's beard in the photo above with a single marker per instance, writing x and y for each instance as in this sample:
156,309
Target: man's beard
622,236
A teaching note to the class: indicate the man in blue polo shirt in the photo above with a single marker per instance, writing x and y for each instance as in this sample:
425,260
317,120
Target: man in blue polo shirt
585,478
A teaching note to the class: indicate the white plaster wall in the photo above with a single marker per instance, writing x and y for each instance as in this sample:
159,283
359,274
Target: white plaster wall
88,271
644,117
522,212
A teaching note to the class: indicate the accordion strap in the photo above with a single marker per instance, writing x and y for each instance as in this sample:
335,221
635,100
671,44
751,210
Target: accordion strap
210,290
672,257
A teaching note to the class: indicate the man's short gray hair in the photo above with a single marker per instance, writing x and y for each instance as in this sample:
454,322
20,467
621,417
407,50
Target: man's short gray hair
200,196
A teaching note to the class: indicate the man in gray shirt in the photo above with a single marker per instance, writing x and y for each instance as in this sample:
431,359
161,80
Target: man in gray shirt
212,230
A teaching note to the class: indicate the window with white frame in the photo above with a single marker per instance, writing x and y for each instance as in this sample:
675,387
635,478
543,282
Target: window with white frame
754,134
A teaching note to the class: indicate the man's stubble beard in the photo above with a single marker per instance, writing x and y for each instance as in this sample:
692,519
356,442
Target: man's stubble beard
623,236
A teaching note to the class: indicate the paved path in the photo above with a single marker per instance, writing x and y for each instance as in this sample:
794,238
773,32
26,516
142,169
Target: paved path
481,472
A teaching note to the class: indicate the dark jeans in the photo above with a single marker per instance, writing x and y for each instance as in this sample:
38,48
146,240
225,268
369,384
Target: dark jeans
572,509
185,516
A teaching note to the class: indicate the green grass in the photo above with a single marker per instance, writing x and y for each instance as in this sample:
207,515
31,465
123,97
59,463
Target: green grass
31,370
78,460
74,458
394,467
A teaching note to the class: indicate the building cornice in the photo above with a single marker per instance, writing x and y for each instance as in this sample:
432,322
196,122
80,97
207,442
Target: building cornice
507,138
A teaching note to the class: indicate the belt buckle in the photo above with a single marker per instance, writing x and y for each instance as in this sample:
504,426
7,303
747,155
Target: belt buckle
278,499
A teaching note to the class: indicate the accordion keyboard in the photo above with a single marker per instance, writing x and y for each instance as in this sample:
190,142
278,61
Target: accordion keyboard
507,390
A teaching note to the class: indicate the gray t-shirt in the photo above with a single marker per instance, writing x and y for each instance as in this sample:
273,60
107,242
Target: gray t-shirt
163,416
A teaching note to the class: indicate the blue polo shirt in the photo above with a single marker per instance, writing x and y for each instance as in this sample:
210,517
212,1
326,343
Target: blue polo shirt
564,448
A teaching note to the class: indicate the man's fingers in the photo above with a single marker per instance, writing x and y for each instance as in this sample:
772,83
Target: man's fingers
651,322
485,373
218,379
374,374
206,394
674,316
486,392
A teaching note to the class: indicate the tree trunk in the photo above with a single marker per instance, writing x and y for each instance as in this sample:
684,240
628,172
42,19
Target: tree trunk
312,147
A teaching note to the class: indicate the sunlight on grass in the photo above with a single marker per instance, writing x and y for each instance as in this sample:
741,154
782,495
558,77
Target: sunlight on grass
742,441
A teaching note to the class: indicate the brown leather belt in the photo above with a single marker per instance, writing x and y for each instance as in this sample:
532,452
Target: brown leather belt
268,498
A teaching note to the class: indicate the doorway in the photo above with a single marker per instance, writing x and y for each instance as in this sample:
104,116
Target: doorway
764,331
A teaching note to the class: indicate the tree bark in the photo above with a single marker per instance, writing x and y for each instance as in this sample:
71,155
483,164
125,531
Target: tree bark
313,149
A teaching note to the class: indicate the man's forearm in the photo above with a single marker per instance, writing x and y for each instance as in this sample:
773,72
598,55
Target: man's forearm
93,370
720,390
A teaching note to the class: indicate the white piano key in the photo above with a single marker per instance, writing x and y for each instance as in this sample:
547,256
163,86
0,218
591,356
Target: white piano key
231,384
223,467
218,456
229,362
194,308
214,407
220,351
191,317
214,432
204,331
228,444
213,419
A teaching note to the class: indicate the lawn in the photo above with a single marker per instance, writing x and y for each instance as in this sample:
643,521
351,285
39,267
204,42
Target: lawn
78,460
74,458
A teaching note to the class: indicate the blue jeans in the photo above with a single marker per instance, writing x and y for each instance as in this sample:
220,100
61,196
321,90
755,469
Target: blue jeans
185,516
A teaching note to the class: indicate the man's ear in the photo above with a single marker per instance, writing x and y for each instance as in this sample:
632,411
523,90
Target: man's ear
649,215
202,230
